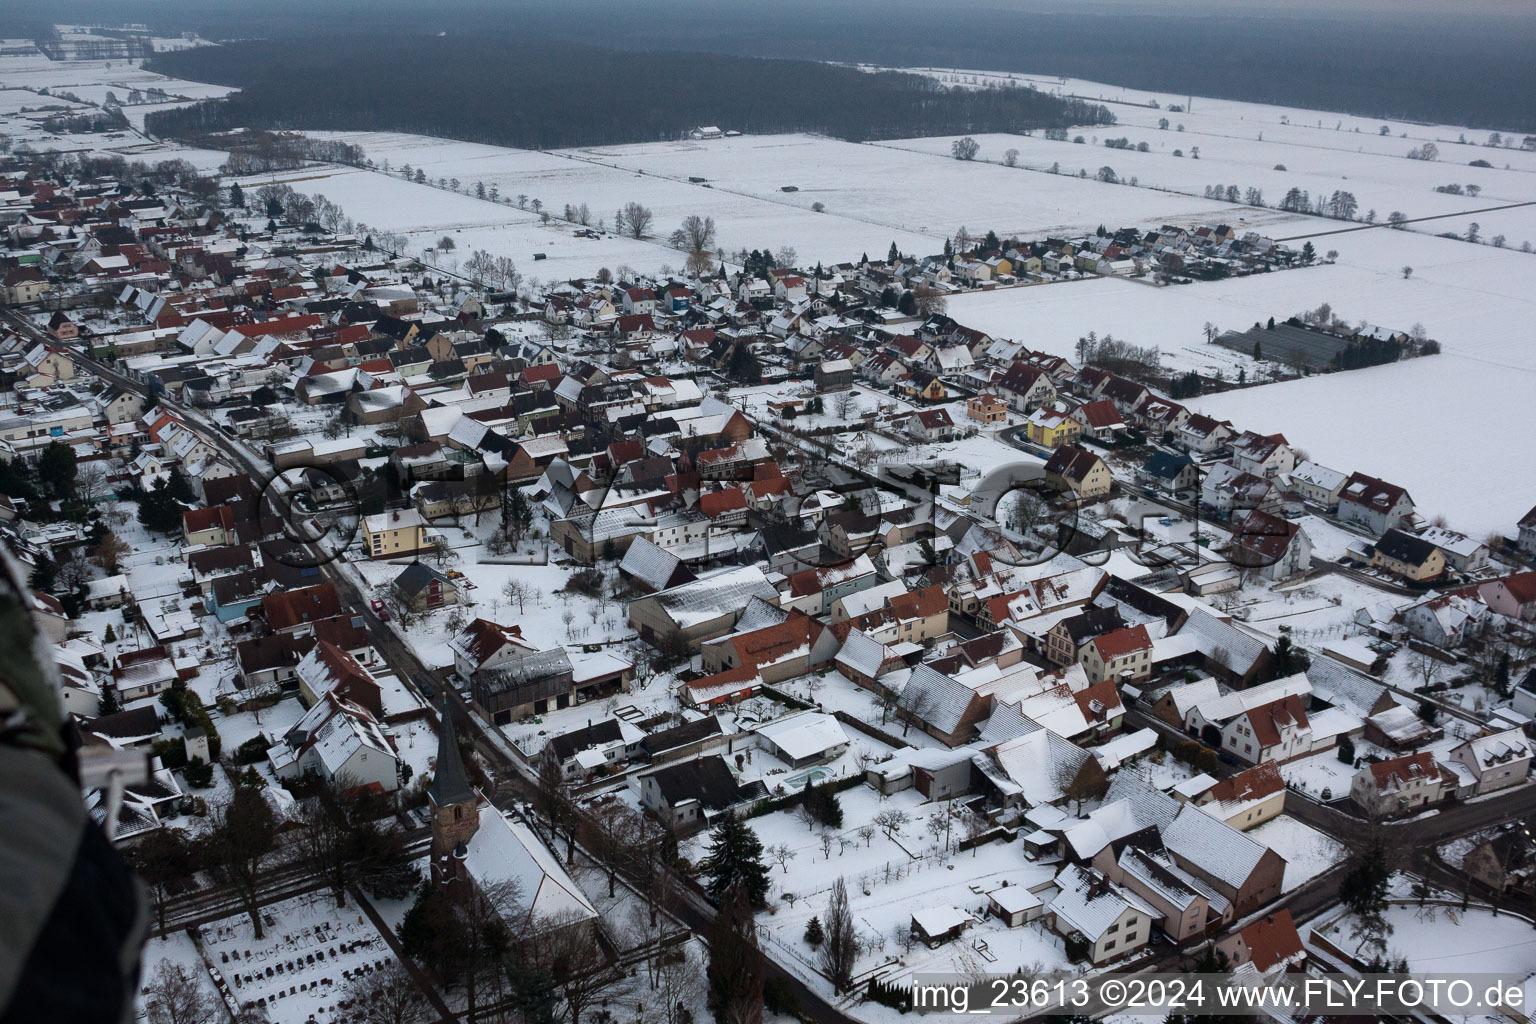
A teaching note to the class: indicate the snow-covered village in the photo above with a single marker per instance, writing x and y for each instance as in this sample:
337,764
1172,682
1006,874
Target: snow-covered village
737,575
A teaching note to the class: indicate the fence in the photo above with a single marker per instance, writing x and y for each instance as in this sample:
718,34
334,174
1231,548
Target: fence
869,730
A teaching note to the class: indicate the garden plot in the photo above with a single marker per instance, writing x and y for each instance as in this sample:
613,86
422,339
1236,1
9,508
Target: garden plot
888,878
1307,852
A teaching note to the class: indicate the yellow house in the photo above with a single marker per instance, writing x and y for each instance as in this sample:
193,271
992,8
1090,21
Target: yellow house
393,534
1083,473
1002,266
1051,426
1412,558
1026,265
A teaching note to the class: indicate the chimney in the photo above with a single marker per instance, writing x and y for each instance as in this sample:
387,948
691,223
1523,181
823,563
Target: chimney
397,517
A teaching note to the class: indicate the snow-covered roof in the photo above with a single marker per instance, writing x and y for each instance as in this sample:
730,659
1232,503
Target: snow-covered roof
936,921
804,734
714,595
1214,845
861,653
649,563
1041,763
1090,904
503,850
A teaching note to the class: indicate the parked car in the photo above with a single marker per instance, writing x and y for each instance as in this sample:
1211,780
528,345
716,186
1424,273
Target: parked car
379,609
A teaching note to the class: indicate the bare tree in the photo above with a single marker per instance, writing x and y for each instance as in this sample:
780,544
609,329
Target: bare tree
913,705
389,996
109,552
781,853
566,947
867,833
177,996
244,839
634,219
680,987
828,840
1011,158
964,149
843,403
839,952
891,821
610,830
785,256
554,803
930,300
694,234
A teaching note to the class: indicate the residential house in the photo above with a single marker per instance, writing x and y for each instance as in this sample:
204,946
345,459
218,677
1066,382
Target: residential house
1399,785
1409,556
1374,504
1080,472
1168,472
1462,553
690,794
1100,419
986,409
210,527
1497,761
394,534
296,611
1124,655
1270,547
1318,484
1513,596
422,588
931,425
1247,799
1052,426
341,742
1111,920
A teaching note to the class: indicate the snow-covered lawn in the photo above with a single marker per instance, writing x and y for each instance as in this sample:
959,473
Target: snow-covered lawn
1451,941
1307,852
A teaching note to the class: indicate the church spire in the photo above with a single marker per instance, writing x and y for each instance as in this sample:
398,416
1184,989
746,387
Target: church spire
449,783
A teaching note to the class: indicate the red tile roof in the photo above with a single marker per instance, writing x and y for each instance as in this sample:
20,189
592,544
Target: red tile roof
1122,642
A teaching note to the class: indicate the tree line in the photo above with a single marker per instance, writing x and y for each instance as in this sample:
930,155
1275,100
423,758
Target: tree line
531,94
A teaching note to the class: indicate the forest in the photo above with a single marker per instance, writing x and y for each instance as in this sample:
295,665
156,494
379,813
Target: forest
1432,62
549,94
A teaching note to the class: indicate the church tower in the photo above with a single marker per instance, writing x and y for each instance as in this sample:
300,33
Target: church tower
454,802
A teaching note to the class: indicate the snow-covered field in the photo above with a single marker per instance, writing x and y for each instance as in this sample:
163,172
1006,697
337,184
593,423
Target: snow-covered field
1248,144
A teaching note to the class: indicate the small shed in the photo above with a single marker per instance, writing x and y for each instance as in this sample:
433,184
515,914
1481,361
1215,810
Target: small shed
938,925
1014,905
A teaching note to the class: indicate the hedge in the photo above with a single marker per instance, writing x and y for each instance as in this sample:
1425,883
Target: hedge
783,803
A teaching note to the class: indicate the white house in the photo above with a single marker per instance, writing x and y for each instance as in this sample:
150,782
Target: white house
339,741
1496,761
1318,484
803,738
1462,553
